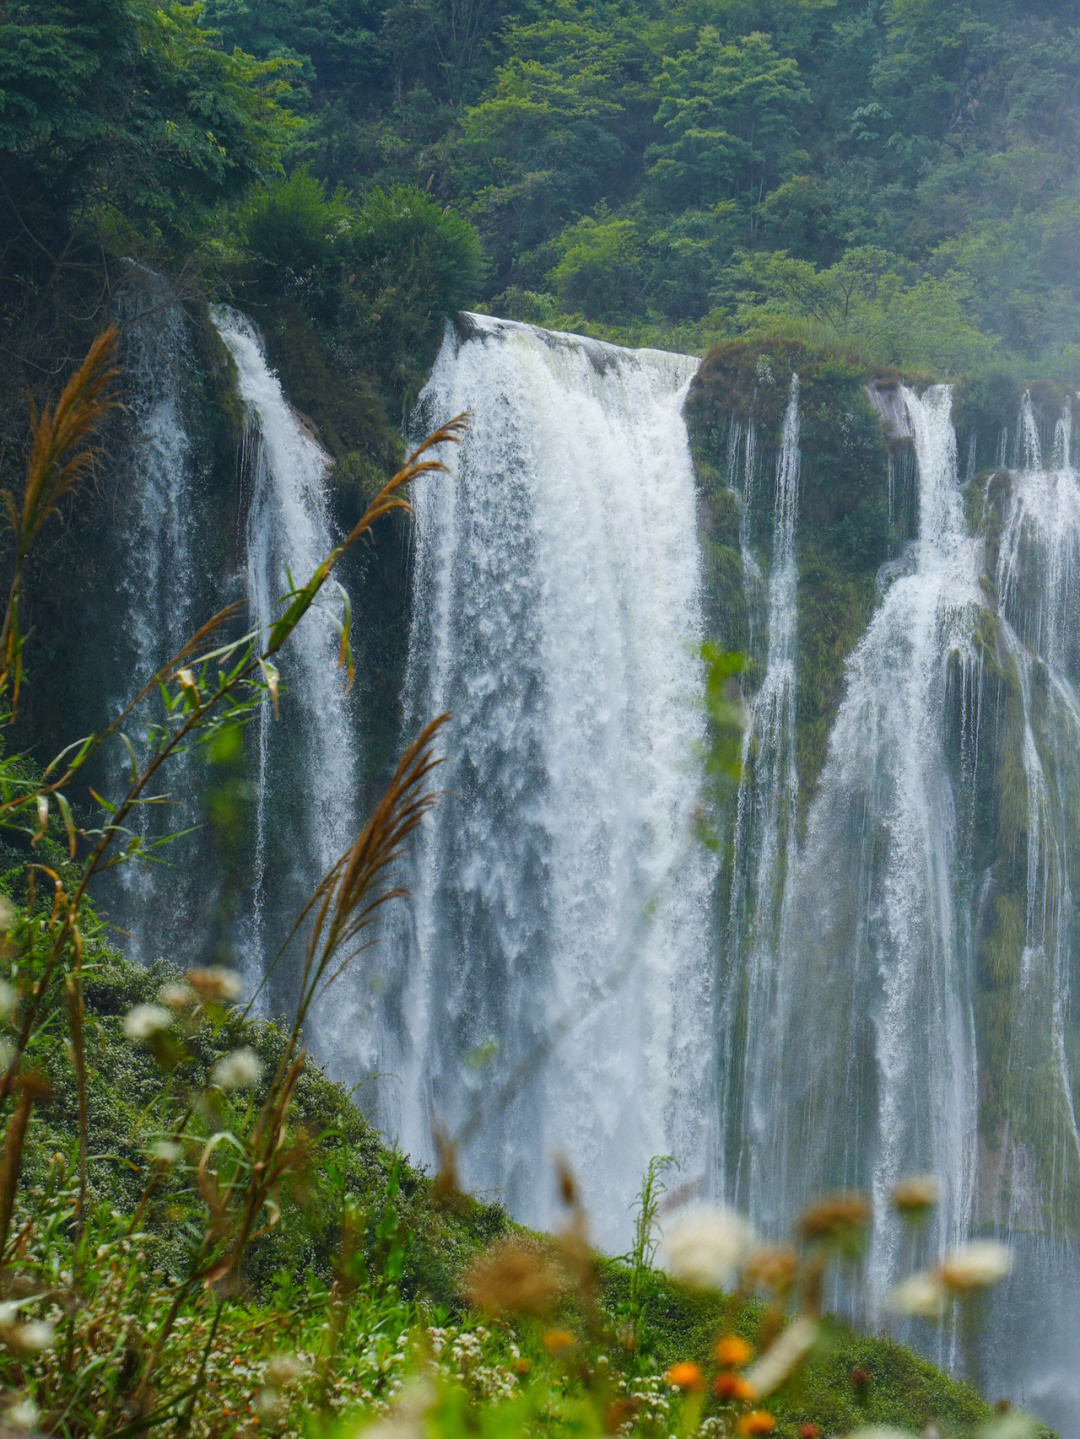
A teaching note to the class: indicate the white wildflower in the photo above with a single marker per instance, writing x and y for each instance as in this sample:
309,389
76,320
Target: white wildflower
23,1415
239,1070
920,1295
284,1369
146,1020
916,1193
704,1245
976,1265
215,983
32,1338
167,1152
269,1404
878,1431
178,997
783,1356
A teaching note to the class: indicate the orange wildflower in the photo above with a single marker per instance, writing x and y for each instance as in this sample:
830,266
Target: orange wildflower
558,1341
729,1385
685,1376
732,1352
758,1421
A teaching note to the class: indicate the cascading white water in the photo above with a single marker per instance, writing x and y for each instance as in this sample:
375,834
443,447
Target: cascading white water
764,844
306,821
161,547
873,996
560,966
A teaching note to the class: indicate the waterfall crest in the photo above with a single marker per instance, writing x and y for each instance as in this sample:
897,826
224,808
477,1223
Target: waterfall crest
560,954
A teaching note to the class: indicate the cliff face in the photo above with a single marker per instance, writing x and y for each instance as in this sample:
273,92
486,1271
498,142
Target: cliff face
937,546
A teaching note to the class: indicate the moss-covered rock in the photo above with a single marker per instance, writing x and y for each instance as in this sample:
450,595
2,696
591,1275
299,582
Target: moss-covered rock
845,529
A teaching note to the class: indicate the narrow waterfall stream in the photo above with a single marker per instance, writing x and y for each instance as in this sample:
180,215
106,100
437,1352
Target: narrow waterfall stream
305,786
874,995
764,843
163,583
560,964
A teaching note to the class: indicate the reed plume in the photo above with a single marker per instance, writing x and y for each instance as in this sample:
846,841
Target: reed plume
61,454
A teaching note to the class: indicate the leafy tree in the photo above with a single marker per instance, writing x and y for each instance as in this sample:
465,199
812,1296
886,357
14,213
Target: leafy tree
124,113
335,42
731,112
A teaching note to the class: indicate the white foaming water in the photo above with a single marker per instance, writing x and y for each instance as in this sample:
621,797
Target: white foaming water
763,848
560,964
162,585
289,533
873,991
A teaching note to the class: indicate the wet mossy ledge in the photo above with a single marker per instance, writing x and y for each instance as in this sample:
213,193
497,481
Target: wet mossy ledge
852,1379
845,529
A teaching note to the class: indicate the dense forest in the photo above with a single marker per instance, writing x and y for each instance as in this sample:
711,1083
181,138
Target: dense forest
897,176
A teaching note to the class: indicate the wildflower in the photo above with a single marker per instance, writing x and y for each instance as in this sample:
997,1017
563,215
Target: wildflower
686,1376
976,1266
704,1245
34,1337
809,1430
239,1070
733,1352
921,1295
284,1369
214,984
784,1355
758,1421
185,678
8,1000
22,1415
269,1404
859,1377
836,1214
729,1385
144,1021
558,1341
916,1194
513,1277
878,1431
772,1266
178,997
166,1152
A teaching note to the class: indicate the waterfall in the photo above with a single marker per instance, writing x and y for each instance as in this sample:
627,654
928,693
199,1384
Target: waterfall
306,771
764,839
164,579
559,971
871,985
